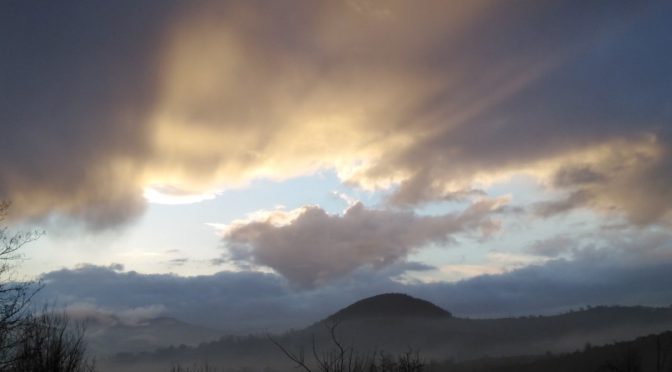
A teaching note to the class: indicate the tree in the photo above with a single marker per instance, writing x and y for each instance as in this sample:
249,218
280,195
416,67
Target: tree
346,359
31,342
49,342
14,295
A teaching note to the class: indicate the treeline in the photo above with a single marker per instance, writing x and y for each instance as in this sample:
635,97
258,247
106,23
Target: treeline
651,353
645,354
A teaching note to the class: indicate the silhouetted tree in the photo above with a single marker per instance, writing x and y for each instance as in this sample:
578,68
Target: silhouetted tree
14,295
663,353
32,342
49,342
632,361
346,359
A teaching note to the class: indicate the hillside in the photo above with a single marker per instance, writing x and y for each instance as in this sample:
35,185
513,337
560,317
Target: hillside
394,323
389,305
648,353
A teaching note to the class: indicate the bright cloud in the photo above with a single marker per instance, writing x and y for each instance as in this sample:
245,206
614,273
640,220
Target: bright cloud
164,194
310,247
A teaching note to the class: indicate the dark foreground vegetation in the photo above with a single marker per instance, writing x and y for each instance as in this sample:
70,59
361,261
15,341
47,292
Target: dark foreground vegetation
341,358
651,353
472,344
352,339
32,341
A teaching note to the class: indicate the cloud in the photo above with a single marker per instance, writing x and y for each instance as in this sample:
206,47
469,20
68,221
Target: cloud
554,207
554,287
99,107
552,247
631,179
78,84
178,261
310,247
238,299
82,311
628,269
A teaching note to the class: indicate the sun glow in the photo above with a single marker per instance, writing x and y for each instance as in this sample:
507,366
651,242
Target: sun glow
170,195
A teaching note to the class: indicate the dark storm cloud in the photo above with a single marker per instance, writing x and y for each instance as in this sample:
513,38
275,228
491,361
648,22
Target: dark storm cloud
100,100
77,80
611,84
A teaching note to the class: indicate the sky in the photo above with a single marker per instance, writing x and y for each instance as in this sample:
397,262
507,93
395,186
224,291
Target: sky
495,157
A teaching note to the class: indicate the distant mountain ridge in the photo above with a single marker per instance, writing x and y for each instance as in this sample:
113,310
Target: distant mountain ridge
389,305
395,322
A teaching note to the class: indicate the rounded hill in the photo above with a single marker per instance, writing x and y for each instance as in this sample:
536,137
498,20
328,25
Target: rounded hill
390,305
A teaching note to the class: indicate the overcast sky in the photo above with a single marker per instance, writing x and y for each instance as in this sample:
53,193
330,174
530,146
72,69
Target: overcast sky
308,153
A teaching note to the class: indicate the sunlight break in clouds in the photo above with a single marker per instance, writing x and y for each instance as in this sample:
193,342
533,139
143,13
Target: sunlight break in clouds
216,94
422,114
161,194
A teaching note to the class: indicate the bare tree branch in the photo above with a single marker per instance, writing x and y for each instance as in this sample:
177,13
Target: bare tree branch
298,359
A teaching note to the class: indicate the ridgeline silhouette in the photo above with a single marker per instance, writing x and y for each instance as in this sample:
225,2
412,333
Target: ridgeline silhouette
396,323
390,305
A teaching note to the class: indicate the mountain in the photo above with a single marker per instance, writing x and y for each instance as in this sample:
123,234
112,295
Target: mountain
463,338
390,305
395,323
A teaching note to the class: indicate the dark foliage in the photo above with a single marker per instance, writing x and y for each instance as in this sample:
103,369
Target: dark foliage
468,341
645,354
30,342
14,295
341,358
49,342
